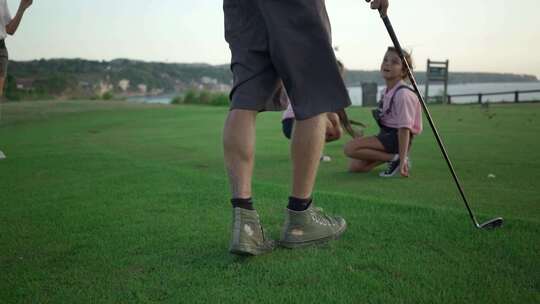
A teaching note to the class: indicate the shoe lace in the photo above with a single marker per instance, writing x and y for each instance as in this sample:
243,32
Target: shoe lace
320,217
391,166
388,168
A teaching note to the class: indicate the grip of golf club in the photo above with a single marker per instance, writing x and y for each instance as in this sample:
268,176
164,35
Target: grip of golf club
380,10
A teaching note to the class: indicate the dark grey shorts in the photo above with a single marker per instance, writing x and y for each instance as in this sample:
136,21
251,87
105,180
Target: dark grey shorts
4,58
287,126
389,139
283,44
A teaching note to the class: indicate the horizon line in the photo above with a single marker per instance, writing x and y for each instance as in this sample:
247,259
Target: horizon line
225,64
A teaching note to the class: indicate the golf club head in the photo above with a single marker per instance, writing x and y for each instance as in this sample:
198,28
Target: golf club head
492,224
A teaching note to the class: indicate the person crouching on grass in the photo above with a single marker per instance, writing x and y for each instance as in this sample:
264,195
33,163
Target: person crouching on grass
9,26
399,116
333,128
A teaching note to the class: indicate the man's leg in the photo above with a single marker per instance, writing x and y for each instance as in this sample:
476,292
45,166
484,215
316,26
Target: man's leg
306,148
304,224
239,149
2,81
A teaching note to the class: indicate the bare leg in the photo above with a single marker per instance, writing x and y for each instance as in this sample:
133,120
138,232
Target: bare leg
306,148
371,155
239,146
366,153
356,165
2,80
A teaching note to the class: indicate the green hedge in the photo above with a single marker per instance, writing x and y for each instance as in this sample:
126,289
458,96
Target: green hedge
202,97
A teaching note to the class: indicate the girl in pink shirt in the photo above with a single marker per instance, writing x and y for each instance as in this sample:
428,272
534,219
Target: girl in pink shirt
400,119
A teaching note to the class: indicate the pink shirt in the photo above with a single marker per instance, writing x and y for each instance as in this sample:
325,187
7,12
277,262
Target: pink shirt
406,111
288,113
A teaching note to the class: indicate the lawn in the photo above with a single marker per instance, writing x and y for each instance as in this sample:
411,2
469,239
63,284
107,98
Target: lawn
112,202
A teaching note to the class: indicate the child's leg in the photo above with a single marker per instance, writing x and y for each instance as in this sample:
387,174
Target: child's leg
368,149
356,165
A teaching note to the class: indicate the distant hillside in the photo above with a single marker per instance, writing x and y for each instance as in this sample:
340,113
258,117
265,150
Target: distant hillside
79,77
354,78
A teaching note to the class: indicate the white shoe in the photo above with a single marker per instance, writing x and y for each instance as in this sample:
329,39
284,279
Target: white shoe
326,158
2,155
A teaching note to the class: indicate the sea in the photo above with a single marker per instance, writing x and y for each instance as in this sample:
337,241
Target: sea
469,88
435,89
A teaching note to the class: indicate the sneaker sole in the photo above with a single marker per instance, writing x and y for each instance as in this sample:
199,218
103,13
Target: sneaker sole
295,245
243,252
250,251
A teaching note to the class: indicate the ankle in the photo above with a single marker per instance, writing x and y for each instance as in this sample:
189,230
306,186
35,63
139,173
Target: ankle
299,204
244,203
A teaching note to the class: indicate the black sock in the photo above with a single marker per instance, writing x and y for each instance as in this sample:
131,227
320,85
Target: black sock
299,204
244,203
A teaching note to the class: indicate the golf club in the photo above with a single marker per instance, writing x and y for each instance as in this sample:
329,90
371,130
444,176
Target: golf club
491,224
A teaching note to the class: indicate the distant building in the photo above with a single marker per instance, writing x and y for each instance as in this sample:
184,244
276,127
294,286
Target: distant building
208,80
156,91
142,88
220,87
104,87
84,84
24,83
123,84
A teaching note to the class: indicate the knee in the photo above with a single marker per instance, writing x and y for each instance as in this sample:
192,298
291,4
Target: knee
357,167
348,149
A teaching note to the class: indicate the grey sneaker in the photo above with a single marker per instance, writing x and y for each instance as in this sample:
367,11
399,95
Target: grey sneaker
247,234
310,227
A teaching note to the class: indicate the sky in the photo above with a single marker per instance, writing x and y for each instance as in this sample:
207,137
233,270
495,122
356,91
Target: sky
483,35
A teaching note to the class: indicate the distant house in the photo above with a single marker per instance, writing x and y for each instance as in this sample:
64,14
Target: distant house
156,91
208,80
123,84
220,87
104,87
84,84
24,83
142,88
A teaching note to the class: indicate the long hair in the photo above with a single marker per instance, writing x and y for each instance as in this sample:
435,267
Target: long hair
408,58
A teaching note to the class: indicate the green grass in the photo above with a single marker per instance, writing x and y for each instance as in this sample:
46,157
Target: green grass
109,202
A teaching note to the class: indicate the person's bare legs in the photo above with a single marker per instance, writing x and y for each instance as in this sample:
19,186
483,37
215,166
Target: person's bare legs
366,153
239,150
358,165
2,81
308,139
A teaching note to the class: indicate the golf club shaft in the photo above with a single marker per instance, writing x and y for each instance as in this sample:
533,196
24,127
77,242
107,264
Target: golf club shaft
393,36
